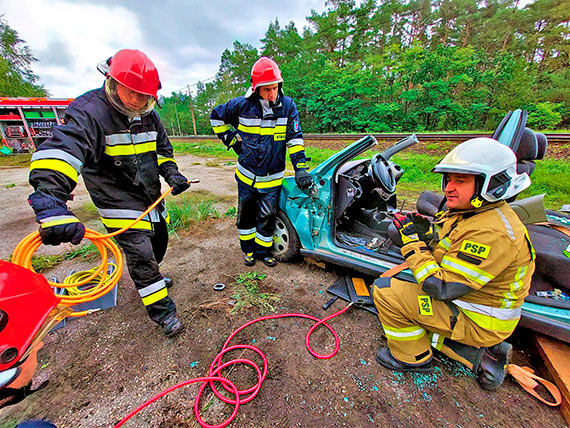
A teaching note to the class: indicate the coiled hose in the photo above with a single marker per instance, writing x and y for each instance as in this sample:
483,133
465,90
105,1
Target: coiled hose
104,277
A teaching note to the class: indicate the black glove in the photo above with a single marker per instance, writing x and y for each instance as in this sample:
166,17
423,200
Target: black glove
406,227
57,222
303,179
232,141
178,182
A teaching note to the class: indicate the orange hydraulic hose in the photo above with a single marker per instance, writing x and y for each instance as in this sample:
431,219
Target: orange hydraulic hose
26,248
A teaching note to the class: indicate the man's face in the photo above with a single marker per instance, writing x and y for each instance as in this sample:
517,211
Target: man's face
269,92
459,190
131,99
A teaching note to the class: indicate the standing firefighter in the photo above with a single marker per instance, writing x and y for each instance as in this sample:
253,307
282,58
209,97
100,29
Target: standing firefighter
114,138
473,276
266,124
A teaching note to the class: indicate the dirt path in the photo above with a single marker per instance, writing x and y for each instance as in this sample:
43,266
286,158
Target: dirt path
102,366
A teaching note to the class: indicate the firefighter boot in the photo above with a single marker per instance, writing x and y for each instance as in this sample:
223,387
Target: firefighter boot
385,358
248,259
172,326
269,261
493,365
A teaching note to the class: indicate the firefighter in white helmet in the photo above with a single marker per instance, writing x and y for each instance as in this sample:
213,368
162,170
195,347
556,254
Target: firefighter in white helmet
471,278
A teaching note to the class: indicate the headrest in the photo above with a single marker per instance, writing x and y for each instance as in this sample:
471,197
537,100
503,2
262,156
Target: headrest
528,146
542,145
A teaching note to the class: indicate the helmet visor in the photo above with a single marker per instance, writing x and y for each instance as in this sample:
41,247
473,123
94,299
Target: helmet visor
141,105
56,315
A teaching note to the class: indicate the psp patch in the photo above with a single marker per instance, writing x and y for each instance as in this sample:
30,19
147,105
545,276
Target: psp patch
475,249
296,126
424,304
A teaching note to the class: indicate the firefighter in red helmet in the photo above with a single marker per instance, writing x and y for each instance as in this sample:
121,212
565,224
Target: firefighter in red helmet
265,125
28,311
113,137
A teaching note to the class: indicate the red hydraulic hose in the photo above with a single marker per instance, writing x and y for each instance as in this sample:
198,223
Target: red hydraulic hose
216,367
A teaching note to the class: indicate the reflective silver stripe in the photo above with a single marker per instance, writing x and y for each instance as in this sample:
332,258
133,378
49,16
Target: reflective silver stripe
143,137
215,122
128,214
264,238
425,270
477,275
445,243
264,178
295,142
498,313
59,218
152,288
118,139
246,231
507,224
420,331
260,178
61,155
434,339
245,172
249,122
282,121
268,123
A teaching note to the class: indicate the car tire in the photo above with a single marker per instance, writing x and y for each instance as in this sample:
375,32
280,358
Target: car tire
286,242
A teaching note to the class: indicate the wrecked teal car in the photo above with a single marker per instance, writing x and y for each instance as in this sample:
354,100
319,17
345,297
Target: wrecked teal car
345,219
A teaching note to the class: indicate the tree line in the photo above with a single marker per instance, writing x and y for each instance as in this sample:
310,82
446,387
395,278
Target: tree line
406,65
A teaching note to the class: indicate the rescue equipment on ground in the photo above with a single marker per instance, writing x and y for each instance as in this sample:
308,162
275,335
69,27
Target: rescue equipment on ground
24,251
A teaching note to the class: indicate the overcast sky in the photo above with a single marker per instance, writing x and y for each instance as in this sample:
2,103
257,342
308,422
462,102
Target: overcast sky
185,39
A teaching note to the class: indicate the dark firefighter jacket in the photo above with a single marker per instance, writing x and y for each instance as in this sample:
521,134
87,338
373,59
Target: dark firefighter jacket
264,139
120,166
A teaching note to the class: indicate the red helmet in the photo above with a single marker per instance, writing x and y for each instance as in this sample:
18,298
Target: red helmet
27,304
136,71
265,72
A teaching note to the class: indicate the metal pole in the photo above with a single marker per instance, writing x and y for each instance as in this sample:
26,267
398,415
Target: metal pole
177,120
192,110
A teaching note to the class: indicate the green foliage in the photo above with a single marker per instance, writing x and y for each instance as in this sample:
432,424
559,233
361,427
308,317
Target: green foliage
42,263
186,211
16,58
398,65
231,212
248,295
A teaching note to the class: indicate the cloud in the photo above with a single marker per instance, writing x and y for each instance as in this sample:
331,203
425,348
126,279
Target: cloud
185,39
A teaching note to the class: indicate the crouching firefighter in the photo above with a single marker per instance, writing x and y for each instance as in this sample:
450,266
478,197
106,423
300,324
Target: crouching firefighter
473,275
265,124
114,138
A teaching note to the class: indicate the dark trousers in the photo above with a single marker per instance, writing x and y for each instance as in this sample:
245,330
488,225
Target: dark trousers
256,218
144,250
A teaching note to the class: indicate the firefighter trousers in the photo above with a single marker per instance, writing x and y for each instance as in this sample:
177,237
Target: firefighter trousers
256,218
144,250
413,323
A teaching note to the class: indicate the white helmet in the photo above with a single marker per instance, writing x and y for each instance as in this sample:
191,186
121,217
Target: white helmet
493,162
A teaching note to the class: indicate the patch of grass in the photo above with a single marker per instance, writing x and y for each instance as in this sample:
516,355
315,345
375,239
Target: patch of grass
213,163
549,177
187,211
43,263
231,212
17,160
9,186
207,148
247,294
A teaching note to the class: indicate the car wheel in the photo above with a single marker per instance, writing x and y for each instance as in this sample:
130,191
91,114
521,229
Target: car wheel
286,242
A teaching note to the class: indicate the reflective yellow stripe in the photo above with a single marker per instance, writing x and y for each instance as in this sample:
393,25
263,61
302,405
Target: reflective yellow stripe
243,178
491,323
155,297
130,149
58,222
161,160
119,223
467,270
404,334
262,131
445,243
263,243
55,165
266,184
247,237
296,149
510,296
436,340
425,270
221,128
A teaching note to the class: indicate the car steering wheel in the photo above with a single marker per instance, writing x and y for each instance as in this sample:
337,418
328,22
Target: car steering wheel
382,174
